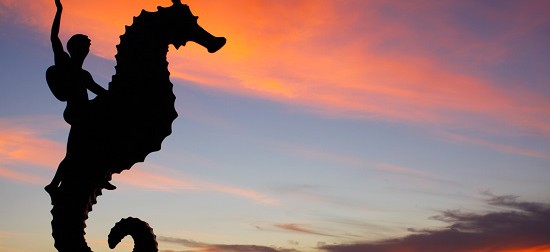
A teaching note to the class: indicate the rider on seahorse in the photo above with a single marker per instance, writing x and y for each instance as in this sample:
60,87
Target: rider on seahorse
69,82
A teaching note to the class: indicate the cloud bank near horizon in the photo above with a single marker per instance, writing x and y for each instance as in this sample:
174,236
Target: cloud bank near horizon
516,226
206,247
510,226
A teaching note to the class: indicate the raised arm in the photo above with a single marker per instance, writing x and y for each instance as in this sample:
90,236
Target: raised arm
56,42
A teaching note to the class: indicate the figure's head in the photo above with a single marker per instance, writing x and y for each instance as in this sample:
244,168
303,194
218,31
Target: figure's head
78,46
183,27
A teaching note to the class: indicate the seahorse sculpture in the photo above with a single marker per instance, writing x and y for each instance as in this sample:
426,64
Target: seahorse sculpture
127,124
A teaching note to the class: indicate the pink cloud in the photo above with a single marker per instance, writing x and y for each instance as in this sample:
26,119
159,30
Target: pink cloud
177,182
22,144
24,147
341,58
499,147
334,68
345,59
299,228
21,177
403,170
151,181
354,161
243,193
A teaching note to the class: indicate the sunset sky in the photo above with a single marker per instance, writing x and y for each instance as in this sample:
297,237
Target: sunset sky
322,126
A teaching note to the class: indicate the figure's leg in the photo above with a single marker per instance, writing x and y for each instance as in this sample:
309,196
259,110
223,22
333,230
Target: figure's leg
57,178
102,180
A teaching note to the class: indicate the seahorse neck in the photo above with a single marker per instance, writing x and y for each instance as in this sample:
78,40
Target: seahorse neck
142,51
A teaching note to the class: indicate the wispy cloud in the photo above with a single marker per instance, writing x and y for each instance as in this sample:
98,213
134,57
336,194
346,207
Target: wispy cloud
153,181
193,246
171,181
518,226
362,59
22,142
505,148
353,161
241,192
385,64
293,227
403,170
22,177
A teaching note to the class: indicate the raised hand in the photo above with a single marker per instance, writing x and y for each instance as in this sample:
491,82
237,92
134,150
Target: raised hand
54,37
58,4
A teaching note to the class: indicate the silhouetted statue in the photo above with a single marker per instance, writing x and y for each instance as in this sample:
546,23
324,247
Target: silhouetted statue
121,125
70,83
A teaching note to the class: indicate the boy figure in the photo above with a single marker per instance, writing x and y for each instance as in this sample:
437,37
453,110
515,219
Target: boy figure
69,82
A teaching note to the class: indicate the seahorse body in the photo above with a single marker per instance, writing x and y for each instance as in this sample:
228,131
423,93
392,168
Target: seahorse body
127,123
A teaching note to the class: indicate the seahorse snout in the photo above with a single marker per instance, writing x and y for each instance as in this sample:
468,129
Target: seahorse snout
216,44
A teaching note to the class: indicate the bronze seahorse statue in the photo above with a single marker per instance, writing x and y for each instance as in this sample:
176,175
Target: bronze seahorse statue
126,123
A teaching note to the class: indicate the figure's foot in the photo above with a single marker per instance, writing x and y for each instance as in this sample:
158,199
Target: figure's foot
108,186
53,191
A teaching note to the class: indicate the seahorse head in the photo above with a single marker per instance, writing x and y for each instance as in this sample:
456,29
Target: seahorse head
181,26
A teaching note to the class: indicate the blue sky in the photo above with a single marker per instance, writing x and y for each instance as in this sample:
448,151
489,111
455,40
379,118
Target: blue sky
289,139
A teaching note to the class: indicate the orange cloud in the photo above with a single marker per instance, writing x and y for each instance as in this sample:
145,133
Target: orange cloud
543,248
339,58
21,177
23,146
315,55
20,144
